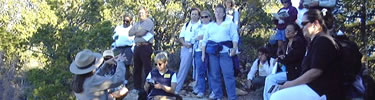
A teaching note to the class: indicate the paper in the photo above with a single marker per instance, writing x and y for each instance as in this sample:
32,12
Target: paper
148,36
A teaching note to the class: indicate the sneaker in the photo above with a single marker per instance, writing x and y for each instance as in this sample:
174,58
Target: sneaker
200,95
212,95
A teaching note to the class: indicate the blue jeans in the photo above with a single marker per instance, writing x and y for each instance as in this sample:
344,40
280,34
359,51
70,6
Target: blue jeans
221,64
201,69
280,35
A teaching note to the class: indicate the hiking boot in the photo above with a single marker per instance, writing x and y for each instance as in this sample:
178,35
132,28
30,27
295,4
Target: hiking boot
212,95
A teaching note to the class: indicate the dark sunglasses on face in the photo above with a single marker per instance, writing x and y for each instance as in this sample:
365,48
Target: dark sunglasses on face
127,21
158,64
305,23
204,16
107,58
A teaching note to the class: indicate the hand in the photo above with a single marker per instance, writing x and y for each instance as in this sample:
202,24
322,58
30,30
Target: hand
281,21
233,52
187,45
120,58
249,83
281,56
286,85
120,93
158,86
200,37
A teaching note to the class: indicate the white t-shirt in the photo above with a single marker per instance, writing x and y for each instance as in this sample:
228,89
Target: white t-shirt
123,38
202,29
265,68
188,32
226,31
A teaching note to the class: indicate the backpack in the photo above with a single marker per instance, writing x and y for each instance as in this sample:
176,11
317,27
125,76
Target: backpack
349,60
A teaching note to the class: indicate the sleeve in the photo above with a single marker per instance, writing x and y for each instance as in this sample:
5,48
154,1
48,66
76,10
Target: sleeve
253,70
174,78
105,82
148,76
206,36
237,18
182,33
149,25
115,34
233,32
327,3
323,52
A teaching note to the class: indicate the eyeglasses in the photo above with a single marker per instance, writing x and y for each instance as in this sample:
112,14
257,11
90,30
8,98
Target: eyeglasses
158,64
107,58
204,16
127,21
305,23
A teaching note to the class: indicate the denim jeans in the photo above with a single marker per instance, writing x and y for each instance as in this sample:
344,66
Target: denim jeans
201,69
222,64
186,60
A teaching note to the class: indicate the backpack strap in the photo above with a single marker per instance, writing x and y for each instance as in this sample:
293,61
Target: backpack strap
332,40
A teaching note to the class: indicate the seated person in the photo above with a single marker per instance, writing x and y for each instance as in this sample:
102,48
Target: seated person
161,82
261,68
117,93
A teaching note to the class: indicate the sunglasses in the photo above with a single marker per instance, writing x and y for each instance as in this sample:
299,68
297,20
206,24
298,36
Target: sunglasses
127,21
158,64
305,23
107,58
204,16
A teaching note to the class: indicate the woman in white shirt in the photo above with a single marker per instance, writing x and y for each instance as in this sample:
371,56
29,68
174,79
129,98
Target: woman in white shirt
220,43
261,68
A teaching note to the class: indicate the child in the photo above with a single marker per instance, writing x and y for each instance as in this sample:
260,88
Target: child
161,80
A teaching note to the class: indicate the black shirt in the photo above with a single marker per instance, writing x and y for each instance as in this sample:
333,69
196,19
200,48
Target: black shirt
322,54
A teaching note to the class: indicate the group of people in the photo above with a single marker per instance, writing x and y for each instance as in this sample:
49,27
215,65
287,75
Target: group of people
210,44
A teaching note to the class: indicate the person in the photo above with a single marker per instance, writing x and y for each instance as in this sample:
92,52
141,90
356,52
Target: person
89,84
201,66
286,15
162,80
263,66
296,48
143,47
220,43
321,72
187,34
117,93
232,13
123,43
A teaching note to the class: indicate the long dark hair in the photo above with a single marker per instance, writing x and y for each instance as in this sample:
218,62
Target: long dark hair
315,14
78,80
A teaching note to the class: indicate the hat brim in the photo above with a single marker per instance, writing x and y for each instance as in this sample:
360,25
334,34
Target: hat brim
98,61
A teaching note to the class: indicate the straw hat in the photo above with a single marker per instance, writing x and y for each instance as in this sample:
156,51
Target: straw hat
85,61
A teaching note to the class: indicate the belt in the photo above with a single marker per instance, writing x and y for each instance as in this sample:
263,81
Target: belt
142,44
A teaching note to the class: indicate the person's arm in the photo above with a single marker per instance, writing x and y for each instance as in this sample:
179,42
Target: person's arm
169,89
146,26
147,86
292,15
235,38
253,70
99,82
132,30
305,78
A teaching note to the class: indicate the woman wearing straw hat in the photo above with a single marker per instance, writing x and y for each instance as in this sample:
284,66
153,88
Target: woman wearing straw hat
87,83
